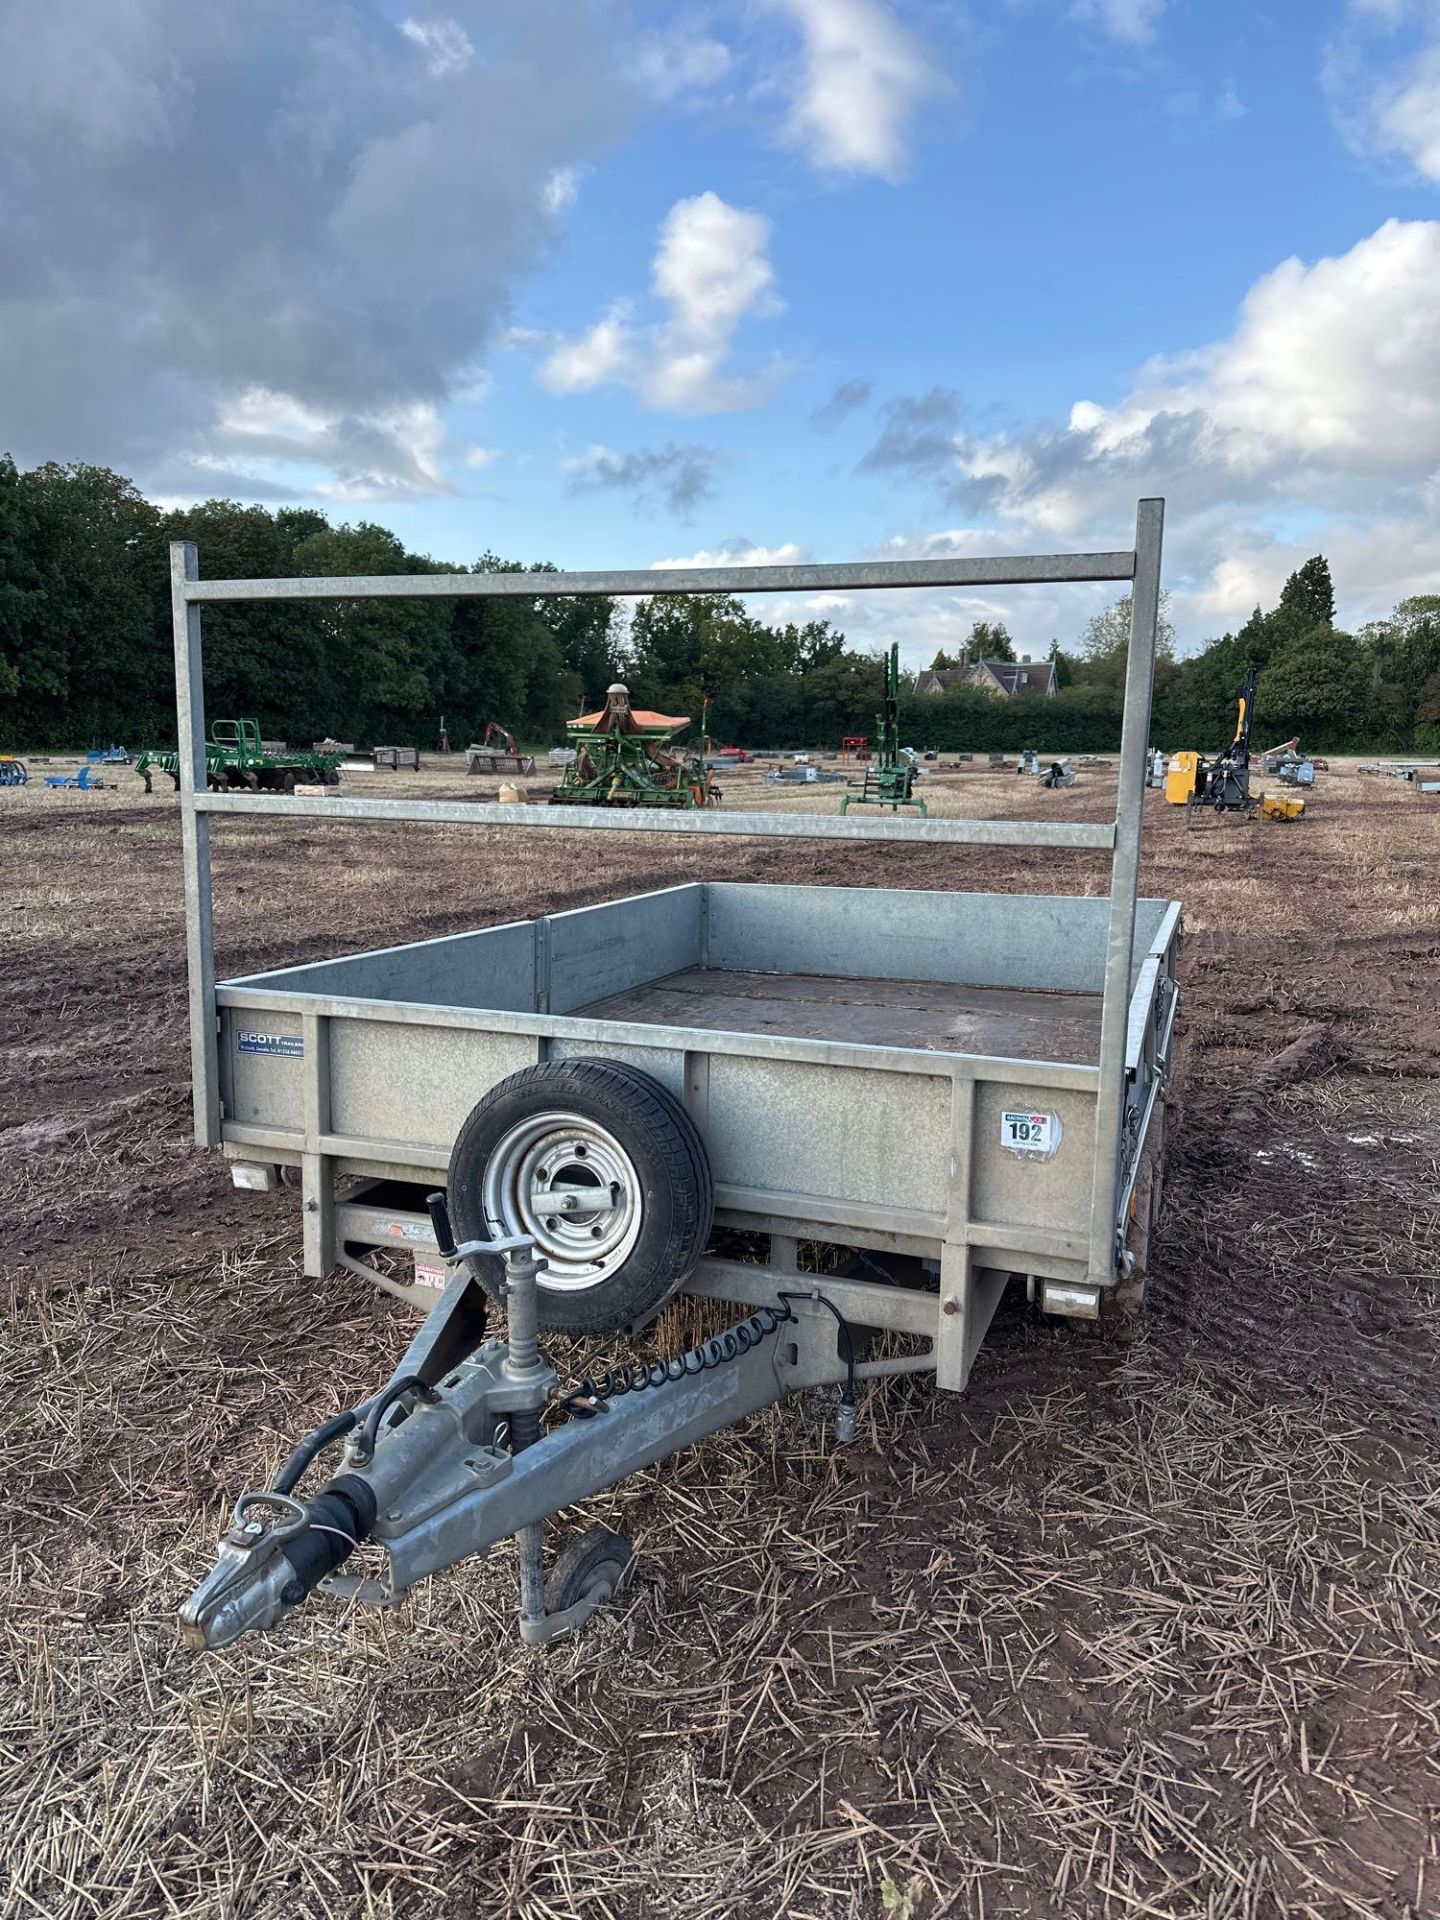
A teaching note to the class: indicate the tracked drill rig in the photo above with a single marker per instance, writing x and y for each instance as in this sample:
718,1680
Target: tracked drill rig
1223,784
890,777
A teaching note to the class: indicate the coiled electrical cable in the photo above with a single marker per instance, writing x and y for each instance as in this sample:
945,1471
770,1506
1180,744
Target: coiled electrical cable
589,1395
376,1409
842,1325
310,1448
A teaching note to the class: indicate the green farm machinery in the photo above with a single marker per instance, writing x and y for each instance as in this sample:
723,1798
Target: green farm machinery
236,756
890,777
624,758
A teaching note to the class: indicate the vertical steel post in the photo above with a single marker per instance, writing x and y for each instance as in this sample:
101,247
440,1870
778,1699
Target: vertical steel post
957,1265
195,844
317,1169
1124,887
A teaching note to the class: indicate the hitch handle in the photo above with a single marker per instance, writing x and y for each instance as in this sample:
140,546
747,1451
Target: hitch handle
440,1221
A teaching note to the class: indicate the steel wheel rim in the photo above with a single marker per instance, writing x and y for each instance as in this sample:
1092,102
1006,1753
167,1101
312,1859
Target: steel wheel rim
564,1150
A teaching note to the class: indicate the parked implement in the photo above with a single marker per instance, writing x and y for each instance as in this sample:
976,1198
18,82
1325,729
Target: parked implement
13,772
496,752
890,777
972,1081
236,757
1223,784
1291,767
87,780
626,757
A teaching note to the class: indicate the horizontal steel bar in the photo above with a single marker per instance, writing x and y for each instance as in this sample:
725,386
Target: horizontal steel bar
885,1369
1011,570
1091,836
354,1146
1052,1242
641,1034
865,1302
874,1239
806,1207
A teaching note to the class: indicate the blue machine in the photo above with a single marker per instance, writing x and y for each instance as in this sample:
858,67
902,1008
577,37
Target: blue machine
81,781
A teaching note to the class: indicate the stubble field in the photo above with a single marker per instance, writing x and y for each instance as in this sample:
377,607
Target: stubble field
1126,1631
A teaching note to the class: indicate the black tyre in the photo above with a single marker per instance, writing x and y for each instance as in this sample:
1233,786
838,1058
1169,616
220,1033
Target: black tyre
571,1128
595,1563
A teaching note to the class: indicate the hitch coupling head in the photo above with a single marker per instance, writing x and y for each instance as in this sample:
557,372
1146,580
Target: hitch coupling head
425,1445
263,1571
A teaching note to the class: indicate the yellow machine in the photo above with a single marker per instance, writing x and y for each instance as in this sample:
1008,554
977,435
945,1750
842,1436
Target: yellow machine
1222,785
1180,777
1281,806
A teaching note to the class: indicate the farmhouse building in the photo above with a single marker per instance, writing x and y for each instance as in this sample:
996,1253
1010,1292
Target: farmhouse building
1005,677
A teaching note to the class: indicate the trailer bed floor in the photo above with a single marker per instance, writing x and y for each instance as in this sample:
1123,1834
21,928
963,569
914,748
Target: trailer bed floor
935,1015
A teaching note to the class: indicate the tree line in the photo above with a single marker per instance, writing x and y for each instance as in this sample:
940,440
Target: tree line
86,653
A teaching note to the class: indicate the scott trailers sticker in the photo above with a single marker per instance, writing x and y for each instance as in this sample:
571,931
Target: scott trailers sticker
1033,1136
289,1046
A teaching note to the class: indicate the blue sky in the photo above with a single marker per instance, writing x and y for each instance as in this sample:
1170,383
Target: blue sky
612,285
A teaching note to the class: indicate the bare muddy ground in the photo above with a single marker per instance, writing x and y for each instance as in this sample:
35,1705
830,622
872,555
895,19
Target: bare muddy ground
1124,1632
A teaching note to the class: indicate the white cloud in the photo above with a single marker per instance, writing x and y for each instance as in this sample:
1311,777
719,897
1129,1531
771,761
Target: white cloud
1406,113
1132,21
604,353
1314,425
391,454
471,383
259,413
925,620
681,63
477,456
560,189
863,78
1374,564
1334,369
444,42
1387,102
712,265
711,271
740,553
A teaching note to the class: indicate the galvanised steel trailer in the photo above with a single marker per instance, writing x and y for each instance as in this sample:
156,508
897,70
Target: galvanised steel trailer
973,1079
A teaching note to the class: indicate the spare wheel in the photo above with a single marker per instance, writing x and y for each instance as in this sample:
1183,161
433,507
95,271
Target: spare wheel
541,1143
